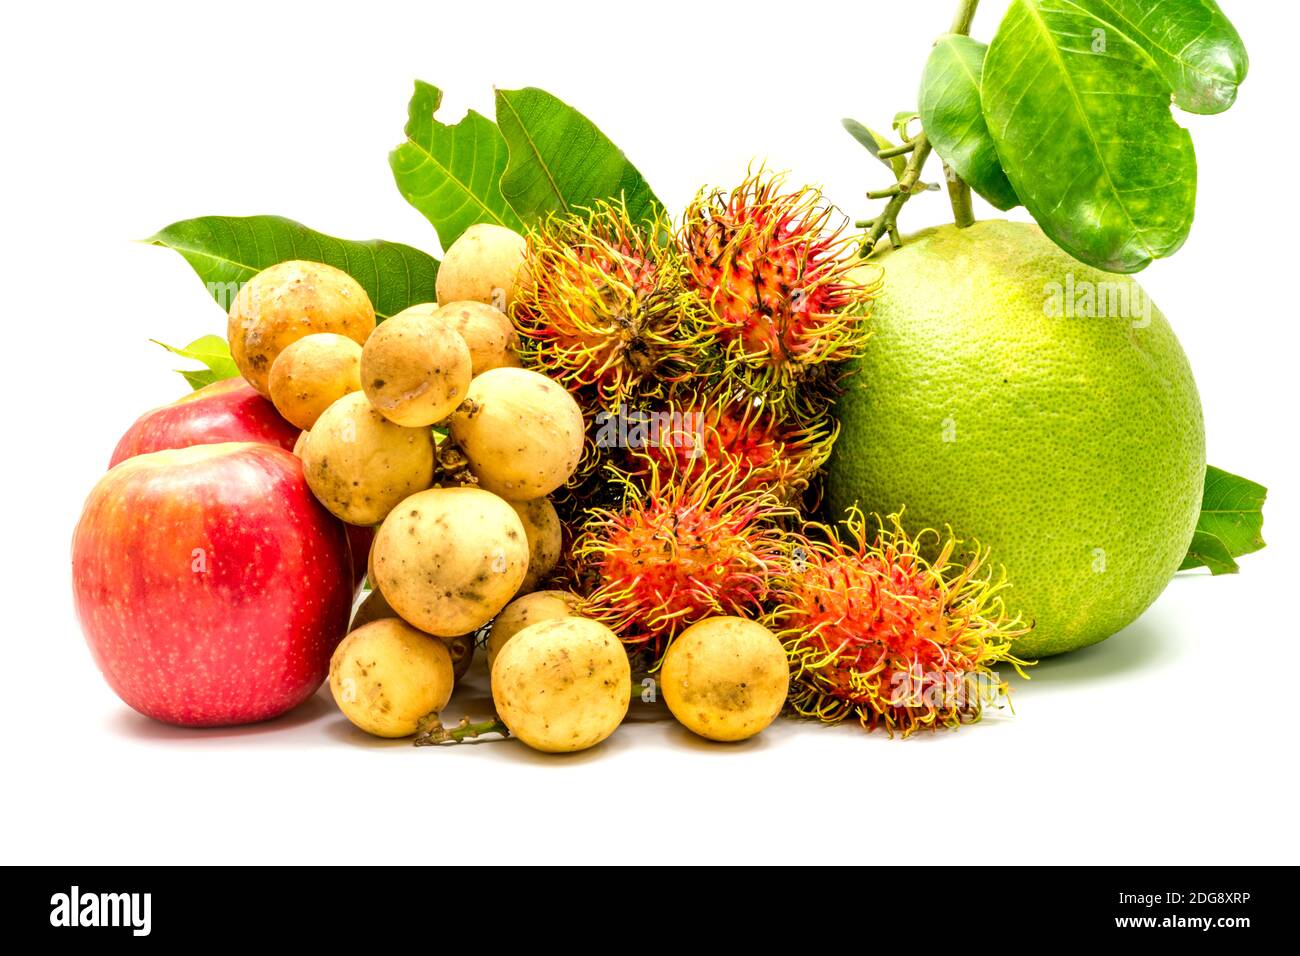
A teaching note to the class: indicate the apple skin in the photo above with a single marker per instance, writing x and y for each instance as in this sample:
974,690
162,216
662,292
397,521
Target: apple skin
229,410
211,585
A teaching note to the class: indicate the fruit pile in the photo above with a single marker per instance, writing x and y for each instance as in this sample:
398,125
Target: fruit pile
709,451
599,453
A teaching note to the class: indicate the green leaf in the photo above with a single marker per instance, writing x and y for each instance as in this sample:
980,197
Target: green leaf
227,251
1232,513
560,161
210,350
901,120
1083,127
452,174
953,119
1195,48
874,142
1207,551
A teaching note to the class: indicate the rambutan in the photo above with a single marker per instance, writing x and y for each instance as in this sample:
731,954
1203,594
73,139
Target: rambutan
606,311
697,431
876,631
788,295
680,551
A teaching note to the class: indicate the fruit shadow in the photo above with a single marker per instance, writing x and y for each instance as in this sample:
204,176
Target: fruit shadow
129,724
1140,646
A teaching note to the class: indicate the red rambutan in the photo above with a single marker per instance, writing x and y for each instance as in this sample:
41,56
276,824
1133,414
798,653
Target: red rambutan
788,294
680,551
698,431
875,631
606,311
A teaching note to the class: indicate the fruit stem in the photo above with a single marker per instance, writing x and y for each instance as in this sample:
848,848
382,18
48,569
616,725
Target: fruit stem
958,190
919,148
963,213
964,17
887,221
435,733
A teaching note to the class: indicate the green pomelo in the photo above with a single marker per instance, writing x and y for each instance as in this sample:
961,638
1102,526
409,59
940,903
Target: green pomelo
1073,447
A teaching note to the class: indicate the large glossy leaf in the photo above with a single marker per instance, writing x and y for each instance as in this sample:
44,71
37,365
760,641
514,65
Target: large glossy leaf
226,251
1196,49
1083,127
953,118
451,174
1231,522
560,161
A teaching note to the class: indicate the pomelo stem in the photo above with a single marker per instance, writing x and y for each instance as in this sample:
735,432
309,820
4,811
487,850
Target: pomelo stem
964,17
963,213
958,191
919,147
887,221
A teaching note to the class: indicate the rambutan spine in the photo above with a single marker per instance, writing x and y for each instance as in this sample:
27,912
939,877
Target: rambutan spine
699,429
606,311
788,296
876,631
679,551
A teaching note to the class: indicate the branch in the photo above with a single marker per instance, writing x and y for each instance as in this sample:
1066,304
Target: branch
918,149
958,190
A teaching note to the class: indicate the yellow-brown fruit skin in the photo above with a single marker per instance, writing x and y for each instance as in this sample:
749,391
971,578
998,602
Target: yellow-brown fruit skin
313,373
387,677
375,608
286,302
522,433
562,685
449,559
415,370
486,264
725,678
489,333
545,539
359,465
525,611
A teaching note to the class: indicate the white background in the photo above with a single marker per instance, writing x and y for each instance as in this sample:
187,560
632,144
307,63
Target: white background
1172,742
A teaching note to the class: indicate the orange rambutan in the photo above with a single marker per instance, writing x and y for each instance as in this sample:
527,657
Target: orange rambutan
679,551
876,631
606,311
696,431
788,295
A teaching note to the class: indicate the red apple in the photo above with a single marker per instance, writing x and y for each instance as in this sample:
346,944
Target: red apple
229,410
211,585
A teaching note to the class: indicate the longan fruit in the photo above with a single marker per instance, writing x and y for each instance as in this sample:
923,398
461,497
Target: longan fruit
562,685
522,433
448,559
359,465
486,264
525,611
415,370
545,536
311,374
374,608
287,302
390,679
725,678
